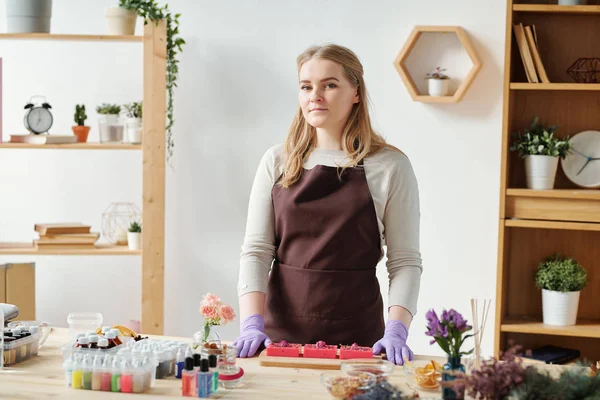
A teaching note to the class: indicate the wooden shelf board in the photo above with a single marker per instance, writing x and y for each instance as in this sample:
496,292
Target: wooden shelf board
587,329
576,194
555,86
8,248
435,99
73,146
538,224
555,8
61,36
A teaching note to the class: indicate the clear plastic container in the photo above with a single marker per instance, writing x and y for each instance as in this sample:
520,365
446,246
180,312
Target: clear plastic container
20,344
83,322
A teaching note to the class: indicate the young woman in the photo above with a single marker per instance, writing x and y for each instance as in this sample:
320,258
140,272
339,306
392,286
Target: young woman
321,208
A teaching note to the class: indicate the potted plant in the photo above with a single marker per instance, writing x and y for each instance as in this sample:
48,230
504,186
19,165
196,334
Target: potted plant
121,19
133,124
540,149
134,236
561,280
111,129
27,16
438,82
80,130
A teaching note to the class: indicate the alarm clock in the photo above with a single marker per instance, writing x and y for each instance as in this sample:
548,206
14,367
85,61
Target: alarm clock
582,164
38,118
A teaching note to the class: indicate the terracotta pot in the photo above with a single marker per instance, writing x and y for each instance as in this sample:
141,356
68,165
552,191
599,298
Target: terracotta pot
81,132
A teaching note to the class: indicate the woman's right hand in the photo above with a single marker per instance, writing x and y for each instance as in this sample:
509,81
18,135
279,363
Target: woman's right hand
252,335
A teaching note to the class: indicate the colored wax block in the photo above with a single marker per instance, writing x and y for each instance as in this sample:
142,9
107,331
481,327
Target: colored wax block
348,352
326,351
285,350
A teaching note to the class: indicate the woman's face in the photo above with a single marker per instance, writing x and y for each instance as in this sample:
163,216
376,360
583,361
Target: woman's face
326,96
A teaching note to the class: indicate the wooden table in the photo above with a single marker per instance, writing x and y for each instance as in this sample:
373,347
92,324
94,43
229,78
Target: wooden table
43,377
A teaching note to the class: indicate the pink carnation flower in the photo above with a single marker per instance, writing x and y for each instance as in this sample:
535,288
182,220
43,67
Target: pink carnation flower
209,311
227,313
211,300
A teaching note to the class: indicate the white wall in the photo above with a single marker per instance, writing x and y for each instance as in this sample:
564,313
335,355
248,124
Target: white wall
236,97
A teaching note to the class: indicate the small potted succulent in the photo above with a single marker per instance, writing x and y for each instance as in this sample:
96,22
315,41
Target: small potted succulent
561,279
133,123
438,82
81,130
111,129
540,149
134,236
121,19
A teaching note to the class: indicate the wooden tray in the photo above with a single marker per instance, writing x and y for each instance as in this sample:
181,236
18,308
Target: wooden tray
311,363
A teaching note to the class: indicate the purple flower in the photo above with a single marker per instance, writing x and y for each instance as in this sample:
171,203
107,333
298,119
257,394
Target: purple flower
434,327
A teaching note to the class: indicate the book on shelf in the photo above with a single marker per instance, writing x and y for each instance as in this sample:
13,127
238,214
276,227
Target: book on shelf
527,42
43,139
61,228
553,354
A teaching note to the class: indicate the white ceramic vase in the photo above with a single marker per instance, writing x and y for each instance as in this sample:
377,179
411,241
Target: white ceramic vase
540,171
571,2
26,16
438,87
120,21
560,308
134,240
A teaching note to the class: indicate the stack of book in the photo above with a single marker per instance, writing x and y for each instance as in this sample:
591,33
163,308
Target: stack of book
71,234
527,42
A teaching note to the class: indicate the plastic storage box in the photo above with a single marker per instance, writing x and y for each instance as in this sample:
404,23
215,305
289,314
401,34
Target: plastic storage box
20,344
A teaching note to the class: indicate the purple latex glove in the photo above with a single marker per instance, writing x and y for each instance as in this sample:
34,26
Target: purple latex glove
252,335
394,343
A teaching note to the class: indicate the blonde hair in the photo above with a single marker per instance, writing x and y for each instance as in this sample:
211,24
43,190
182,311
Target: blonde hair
359,139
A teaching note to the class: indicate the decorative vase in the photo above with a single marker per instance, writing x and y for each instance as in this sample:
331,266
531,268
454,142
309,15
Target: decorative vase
134,240
438,87
560,308
82,132
27,16
207,335
449,372
111,129
120,21
540,171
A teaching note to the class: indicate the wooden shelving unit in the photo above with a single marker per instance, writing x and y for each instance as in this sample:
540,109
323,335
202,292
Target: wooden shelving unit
154,41
73,146
535,224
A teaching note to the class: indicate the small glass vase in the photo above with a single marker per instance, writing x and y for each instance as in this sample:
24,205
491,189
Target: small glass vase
449,372
208,334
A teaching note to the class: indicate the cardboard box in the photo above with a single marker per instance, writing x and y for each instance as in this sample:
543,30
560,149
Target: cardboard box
17,286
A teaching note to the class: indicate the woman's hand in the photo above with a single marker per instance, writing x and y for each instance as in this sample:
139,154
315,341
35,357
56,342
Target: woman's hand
394,343
252,335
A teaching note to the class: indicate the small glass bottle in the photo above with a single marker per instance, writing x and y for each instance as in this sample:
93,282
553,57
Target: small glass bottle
93,341
214,380
110,336
83,342
179,363
103,344
188,379
116,332
203,381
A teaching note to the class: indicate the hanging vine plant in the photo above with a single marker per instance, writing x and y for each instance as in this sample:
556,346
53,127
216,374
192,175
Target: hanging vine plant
149,10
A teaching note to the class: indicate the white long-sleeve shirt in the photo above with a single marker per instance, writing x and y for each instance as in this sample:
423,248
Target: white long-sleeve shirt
395,193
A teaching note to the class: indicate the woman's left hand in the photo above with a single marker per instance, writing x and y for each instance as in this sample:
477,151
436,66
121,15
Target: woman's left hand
394,343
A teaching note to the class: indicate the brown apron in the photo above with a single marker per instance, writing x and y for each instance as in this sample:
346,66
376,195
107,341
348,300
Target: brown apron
323,284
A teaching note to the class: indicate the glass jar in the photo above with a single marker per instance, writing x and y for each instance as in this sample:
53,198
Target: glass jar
230,375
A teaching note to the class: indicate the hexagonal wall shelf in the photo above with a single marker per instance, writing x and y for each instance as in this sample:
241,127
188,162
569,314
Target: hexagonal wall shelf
400,63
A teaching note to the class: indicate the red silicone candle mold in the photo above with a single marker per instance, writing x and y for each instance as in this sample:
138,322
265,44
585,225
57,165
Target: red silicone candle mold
320,350
284,349
355,351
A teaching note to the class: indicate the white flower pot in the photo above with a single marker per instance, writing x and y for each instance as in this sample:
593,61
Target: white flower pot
26,16
560,308
438,87
540,171
134,240
120,21
110,128
133,130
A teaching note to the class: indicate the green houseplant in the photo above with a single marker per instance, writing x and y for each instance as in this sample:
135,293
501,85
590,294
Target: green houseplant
110,127
81,130
134,235
438,82
149,10
540,148
561,279
133,123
